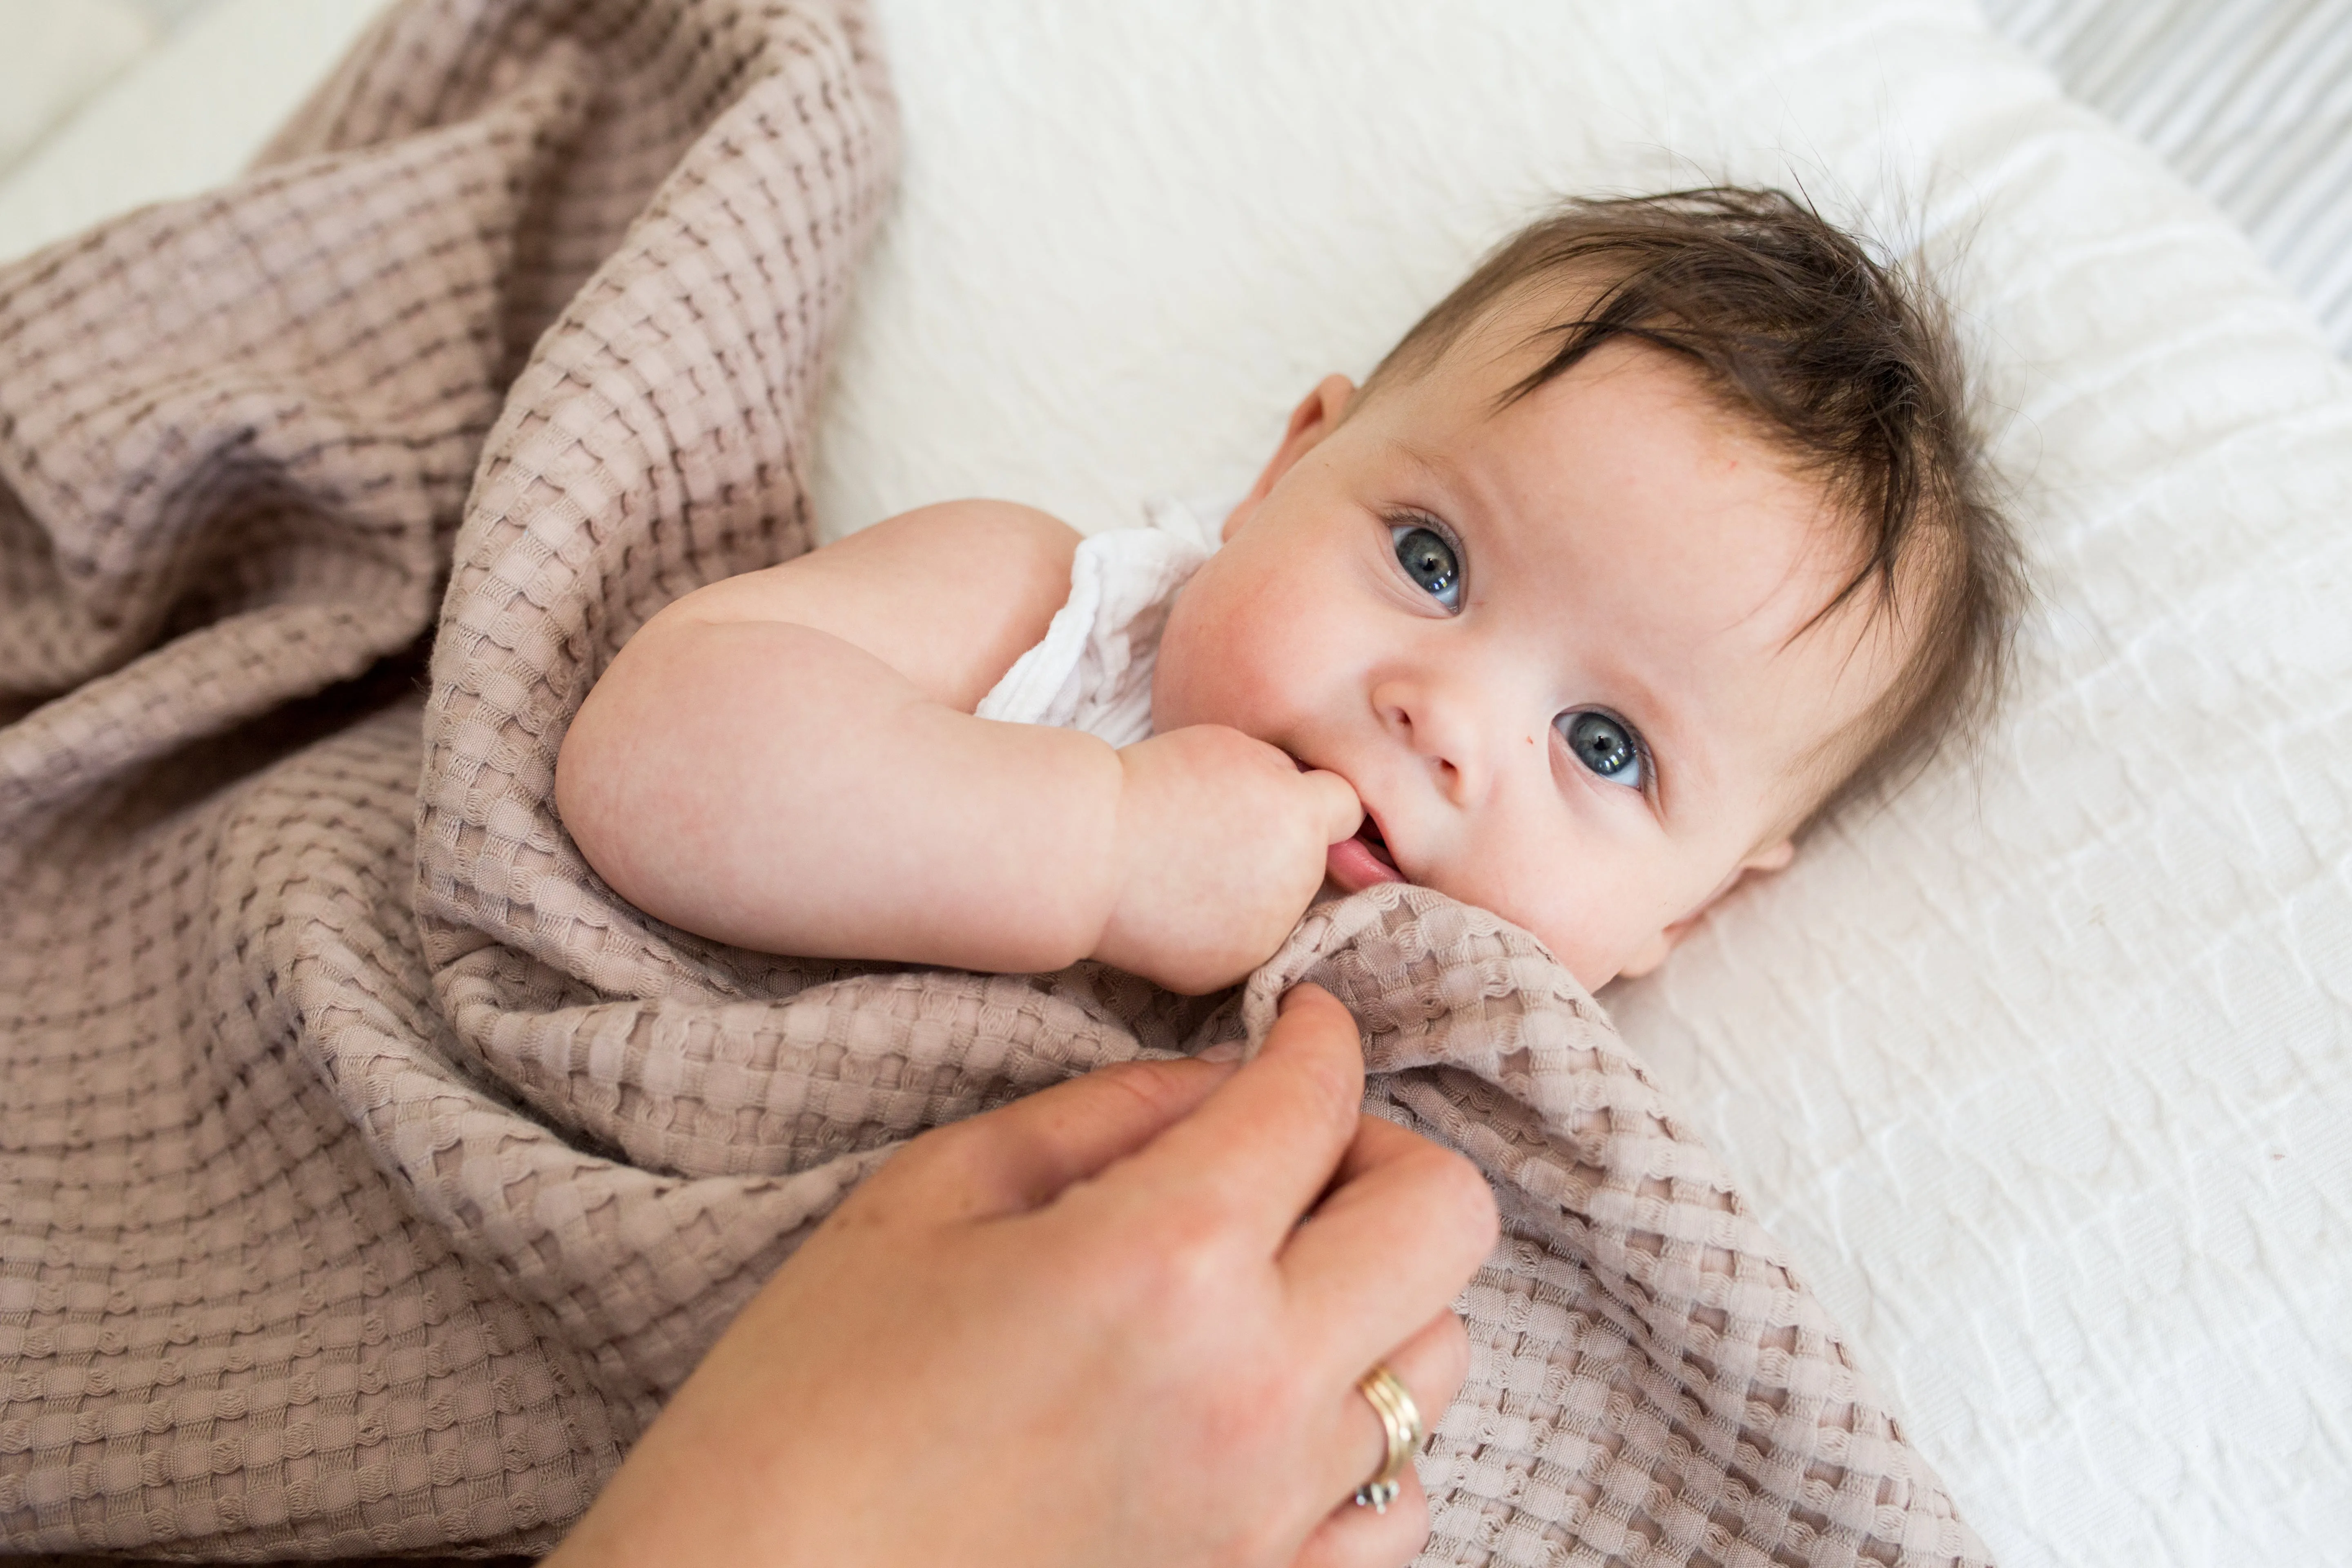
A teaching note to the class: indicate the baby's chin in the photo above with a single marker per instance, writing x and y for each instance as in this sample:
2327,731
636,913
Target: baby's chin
1352,865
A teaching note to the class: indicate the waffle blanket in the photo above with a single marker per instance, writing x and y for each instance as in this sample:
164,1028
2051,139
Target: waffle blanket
367,1171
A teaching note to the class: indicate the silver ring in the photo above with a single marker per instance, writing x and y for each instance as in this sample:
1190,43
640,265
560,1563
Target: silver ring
1401,1420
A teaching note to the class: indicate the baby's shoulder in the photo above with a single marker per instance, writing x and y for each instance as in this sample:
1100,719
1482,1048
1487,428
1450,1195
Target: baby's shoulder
992,547
991,535
950,594
983,574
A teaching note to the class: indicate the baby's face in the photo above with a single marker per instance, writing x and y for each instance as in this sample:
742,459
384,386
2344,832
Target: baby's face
1561,650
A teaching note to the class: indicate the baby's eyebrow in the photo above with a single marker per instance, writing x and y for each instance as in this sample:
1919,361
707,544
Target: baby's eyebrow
1437,466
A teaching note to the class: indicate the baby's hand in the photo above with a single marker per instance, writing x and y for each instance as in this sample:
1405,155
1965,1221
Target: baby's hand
1222,844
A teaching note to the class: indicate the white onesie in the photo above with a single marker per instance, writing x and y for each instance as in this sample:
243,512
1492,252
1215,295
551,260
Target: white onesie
1092,671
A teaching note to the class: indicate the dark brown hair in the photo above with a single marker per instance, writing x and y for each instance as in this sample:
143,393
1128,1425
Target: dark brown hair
1848,365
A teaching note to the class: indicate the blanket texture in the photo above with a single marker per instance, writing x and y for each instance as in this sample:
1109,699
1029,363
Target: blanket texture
369,1173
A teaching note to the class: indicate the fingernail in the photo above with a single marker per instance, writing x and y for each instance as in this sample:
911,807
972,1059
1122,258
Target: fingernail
1223,1051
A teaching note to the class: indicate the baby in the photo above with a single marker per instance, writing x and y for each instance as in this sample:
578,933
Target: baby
1661,537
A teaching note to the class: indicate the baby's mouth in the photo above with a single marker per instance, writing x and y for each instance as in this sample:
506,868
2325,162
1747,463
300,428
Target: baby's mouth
1362,860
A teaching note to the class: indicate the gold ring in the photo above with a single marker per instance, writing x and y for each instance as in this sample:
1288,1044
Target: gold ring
1401,1419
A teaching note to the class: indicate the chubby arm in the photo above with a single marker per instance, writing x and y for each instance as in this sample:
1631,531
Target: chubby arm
787,760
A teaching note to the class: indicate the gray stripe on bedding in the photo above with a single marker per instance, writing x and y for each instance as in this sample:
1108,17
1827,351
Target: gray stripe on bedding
2250,100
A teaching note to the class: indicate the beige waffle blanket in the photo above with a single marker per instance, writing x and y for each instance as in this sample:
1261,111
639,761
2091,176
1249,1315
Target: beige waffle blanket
368,1171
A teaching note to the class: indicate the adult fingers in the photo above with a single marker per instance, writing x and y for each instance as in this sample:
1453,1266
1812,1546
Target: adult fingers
1404,1227
1354,1537
1263,1145
1020,1155
1343,812
1430,1364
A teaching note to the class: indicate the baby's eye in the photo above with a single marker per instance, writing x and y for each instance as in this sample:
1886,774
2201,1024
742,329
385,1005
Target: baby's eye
1429,560
1604,745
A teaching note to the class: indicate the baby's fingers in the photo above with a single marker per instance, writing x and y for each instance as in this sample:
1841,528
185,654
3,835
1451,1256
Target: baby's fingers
1342,812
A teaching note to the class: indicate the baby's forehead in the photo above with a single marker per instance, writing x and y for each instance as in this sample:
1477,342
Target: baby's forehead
1470,424
1488,384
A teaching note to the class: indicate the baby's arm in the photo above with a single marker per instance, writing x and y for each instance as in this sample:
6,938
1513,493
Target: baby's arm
787,760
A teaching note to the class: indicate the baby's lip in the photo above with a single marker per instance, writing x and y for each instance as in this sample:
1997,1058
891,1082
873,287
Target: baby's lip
1362,860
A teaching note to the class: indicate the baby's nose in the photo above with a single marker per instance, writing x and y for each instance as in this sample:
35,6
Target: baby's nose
1444,724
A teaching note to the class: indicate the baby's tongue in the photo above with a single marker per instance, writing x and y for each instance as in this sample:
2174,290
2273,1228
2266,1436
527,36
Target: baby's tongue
1358,862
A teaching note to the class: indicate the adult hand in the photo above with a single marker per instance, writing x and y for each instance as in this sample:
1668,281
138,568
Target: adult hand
1088,1328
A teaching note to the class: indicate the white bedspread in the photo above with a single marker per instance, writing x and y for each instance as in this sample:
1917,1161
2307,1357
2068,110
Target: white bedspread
180,116
2249,100
2047,1071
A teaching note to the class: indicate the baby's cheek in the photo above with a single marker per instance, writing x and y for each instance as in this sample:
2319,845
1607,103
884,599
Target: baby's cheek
1180,685
1211,672
1551,891
1175,672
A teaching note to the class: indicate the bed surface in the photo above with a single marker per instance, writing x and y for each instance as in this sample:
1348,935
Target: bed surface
109,103
2249,100
2045,1073
167,97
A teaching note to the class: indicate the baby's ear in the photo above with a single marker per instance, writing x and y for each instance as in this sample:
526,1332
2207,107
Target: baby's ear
1313,418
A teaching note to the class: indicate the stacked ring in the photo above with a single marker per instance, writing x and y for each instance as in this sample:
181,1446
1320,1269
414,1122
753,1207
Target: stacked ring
1401,1420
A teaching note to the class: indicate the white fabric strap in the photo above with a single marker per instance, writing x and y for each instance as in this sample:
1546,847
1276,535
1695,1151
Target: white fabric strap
1092,671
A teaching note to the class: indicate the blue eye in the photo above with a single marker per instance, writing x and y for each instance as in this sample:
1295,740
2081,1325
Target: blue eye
1429,560
1604,745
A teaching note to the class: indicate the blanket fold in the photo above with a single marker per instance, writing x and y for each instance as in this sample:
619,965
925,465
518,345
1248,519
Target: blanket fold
369,1171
